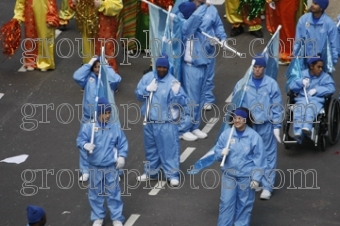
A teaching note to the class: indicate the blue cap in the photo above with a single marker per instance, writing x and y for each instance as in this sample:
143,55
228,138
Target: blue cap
163,61
314,59
34,214
322,3
260,60
103,106
187,9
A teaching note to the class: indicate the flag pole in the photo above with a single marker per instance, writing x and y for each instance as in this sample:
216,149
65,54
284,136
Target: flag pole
224,44
96,99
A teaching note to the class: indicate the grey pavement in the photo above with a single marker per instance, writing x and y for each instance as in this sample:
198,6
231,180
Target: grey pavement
52,147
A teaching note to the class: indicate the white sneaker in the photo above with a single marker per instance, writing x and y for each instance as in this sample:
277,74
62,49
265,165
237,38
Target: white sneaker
84,177
199,134
207,107
43,69
117,223
98,222
30,68
144,177
265,194
225,16
174,182
188,136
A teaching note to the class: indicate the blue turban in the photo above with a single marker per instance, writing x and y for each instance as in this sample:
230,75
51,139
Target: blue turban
314,59
103,106
163,61
322,3
260,60
34,214
187,8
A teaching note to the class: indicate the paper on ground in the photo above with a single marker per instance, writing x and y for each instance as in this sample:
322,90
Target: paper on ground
16,159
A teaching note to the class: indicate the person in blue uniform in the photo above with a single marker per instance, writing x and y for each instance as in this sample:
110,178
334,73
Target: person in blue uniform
317,84
161,139
36,216
106,156
263,98
243,169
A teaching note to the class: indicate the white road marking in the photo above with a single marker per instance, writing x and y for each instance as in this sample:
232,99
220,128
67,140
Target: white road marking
132,219
228,100
22,69
57,33
186,154
1,95
209,125
159,186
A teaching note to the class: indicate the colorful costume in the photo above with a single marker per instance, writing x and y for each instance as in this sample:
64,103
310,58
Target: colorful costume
127,22
99,24
65,13
40,18
237,15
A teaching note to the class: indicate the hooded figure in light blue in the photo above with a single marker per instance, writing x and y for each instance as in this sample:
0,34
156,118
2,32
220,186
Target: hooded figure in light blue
315,27
262,96
106,156
242,171
213,26
161,141
87,78
317,84
194,68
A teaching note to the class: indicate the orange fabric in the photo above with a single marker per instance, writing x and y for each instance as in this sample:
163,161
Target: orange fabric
284,14
30,34
107,30
52,14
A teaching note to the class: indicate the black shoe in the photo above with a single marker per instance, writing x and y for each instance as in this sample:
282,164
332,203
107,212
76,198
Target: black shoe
257,34
236,31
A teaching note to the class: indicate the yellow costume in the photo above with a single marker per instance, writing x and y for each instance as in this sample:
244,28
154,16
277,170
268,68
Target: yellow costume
40,18
65,13
100,23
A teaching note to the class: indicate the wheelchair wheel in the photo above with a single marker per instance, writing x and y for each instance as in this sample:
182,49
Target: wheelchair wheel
333,121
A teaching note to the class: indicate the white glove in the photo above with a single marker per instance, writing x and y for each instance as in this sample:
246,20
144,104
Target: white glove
312,92
89,147
175,87
120,162
254,184
305,82
96,4
214,41
92,61
152,87
277,135
333,69
225,151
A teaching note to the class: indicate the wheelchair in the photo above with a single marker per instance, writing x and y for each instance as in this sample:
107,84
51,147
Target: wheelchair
326,126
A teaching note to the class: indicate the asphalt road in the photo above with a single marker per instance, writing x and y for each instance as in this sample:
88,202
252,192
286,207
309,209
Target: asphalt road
51,148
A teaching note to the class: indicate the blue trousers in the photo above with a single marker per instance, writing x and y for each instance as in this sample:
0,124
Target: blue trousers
104,183
236,201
